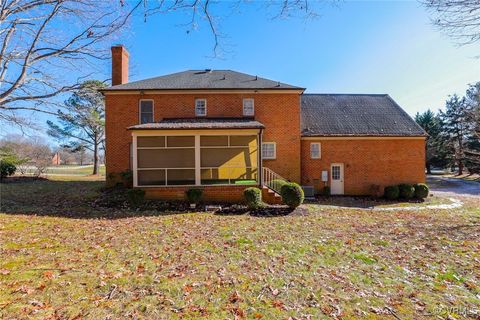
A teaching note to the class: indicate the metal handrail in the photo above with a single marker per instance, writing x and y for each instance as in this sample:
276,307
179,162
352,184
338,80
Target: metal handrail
272,180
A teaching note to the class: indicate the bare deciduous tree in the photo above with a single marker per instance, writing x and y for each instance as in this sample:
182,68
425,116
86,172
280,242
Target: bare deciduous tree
48,47
44,42
459,19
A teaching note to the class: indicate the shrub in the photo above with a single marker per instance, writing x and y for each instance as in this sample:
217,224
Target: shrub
276,184
326,191
292,195
7,168
127,178
135,197
421,191
253,197
391,192
407,191
194,195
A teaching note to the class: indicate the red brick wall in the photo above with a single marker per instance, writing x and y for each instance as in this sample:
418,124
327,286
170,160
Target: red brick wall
210,193
366,162
280,113
119,65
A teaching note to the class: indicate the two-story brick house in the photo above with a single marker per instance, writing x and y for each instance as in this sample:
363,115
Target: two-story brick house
223,131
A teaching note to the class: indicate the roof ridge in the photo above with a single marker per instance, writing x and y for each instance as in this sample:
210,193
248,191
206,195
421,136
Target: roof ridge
345,94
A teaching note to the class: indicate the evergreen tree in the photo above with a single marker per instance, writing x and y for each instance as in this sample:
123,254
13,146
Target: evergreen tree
455,129
82,125
435,148
472,152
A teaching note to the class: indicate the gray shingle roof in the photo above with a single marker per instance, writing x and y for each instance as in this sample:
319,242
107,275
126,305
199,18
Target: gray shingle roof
355,115
204,79
201,123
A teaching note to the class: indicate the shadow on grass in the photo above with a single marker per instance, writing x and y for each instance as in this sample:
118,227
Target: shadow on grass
363,202
58,198
90,200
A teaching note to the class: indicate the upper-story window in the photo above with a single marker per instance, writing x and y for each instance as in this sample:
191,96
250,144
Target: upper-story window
146,111
315,150
248,107
200,107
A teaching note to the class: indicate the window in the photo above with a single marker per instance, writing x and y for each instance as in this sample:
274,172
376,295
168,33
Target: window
269,150
146,111
200,107
315,152
335,172
248,107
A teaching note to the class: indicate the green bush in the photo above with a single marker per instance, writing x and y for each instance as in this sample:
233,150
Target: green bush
407,191
421,190
276,184
135,197
194,195
253,197
7,168
292,195
391,192
127,178
326,191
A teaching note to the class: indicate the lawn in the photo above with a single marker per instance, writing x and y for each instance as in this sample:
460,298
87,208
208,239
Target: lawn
63,259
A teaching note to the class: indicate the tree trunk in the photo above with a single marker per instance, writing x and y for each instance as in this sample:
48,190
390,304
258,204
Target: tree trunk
460,167
96,161
429,168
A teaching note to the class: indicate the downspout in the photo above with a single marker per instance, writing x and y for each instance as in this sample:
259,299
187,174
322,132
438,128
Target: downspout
260,160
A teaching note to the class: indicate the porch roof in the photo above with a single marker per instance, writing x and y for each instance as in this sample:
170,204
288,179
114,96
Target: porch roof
200,123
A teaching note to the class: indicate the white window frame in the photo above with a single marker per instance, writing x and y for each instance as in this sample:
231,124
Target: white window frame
140,110
252,113
196,110
319,156
274,150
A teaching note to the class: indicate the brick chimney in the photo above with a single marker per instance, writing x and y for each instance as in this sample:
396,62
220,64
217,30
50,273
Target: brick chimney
119,65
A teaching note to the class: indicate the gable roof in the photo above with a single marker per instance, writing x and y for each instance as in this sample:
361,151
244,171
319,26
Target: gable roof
204,79
355,115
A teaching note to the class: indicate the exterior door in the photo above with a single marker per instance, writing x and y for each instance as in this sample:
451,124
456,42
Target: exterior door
336,178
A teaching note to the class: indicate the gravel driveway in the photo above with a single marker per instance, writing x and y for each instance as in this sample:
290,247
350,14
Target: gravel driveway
444,186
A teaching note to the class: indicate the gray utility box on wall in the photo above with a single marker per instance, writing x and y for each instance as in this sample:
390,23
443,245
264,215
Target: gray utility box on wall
309,192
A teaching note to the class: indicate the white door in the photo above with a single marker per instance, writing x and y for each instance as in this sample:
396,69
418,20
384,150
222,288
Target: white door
336,178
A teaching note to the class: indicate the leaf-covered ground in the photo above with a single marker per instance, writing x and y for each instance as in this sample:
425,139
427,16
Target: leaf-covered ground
68,262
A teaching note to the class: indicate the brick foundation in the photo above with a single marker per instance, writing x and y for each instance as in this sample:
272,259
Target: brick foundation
233,194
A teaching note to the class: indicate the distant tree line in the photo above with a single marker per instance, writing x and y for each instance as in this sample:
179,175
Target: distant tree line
454,133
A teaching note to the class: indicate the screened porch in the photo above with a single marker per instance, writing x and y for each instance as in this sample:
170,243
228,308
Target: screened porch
200,157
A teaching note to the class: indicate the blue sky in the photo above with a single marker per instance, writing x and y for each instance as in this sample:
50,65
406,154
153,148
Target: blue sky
353,47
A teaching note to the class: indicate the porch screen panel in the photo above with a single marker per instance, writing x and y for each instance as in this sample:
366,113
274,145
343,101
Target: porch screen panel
228,160
151,141
165,160
151,177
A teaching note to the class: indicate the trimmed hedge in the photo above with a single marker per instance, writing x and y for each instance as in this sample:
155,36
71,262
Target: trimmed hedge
253,197
407,191
421,190
194,195
391,192
292,194
135,197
